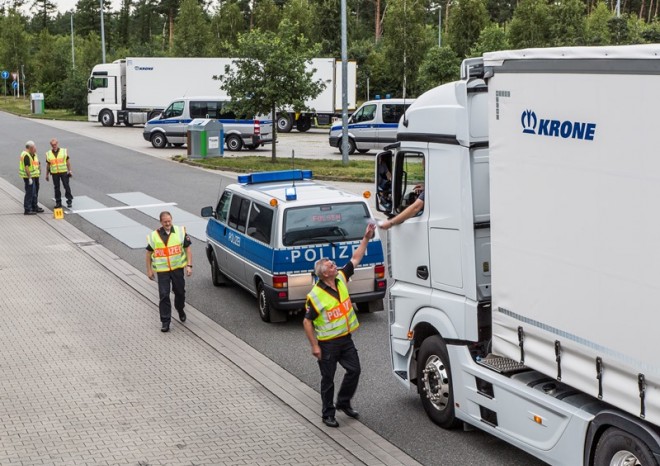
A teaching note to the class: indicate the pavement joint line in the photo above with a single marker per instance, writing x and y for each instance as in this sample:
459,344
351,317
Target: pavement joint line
125,207
372,449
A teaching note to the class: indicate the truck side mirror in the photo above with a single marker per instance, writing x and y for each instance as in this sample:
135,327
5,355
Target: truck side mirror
207,211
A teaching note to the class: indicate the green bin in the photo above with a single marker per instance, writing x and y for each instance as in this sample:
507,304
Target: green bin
37,103
205,138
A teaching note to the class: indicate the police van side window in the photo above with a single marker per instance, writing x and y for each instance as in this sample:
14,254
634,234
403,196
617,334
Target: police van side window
366,113
238,213
222,210
392,112
260,223
174,110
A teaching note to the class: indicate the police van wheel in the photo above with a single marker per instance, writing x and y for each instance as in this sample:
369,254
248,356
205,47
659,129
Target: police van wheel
434,382
363,151
234,143
251,147
158,140
217,277
351,146
264,303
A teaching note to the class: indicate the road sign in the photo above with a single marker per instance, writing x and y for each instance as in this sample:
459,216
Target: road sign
14,84
14,76
5,74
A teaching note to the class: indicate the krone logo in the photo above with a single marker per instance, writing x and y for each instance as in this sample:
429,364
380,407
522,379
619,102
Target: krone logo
566,129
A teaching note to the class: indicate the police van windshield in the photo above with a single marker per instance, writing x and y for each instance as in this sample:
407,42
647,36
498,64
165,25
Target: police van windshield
324,223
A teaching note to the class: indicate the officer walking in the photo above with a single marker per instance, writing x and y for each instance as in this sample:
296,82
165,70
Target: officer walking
329,321
59,165
168,254
28,169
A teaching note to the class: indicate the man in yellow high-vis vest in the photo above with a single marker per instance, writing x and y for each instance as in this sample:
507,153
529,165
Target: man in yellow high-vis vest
29,170
58,164
329,322
168,255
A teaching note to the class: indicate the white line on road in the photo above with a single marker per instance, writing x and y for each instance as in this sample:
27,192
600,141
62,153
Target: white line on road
125,207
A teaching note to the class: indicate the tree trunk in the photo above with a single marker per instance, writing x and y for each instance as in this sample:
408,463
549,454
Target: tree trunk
273,156
641,10
171,21
377,20
650,10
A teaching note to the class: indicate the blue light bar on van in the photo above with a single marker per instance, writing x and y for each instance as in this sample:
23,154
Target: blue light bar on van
269,177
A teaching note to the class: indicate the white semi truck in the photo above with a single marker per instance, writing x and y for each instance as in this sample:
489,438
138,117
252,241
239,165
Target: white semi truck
134,90
527,305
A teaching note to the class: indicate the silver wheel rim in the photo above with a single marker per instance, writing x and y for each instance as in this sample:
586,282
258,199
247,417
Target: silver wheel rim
262,302
624,458
233,144
436,382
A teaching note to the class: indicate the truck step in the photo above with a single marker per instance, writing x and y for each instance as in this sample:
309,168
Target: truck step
502,365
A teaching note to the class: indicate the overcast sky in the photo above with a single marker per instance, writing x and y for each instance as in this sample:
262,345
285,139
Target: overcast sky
66,5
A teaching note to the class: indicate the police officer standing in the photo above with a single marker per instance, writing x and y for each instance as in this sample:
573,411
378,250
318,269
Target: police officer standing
59,165
329,321
168,254
28,169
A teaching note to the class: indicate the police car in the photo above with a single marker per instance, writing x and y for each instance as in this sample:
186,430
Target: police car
267,231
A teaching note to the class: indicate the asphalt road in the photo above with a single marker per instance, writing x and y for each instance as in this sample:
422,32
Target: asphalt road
101,167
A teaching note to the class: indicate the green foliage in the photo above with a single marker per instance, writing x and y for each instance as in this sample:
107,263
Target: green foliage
191,24
530,26
440,65
270,74
492,38
466,21
568,23
597,31
299,20
226,25
266,16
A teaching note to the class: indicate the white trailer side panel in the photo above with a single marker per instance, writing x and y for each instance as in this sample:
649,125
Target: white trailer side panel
576,225
154,82
325,71
351,90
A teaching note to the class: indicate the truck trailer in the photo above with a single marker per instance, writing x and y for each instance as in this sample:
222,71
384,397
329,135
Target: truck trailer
136,89
527,306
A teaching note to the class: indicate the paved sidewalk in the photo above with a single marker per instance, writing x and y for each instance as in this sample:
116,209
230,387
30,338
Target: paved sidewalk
88,378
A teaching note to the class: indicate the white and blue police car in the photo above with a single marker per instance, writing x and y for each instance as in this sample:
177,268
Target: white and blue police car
267,231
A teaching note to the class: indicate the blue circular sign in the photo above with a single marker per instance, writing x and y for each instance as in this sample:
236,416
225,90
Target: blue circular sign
14,84
5,74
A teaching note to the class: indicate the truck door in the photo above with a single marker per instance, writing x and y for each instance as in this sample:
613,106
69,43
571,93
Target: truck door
102,89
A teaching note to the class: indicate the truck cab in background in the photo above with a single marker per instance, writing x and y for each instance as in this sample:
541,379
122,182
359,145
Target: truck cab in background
526,307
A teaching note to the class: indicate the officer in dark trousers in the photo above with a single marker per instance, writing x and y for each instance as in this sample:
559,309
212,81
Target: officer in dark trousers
329,321
59,165
168,255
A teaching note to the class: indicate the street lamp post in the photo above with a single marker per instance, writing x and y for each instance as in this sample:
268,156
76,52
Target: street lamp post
102,31
344,87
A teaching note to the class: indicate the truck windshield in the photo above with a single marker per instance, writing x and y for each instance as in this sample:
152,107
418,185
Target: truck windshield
327,223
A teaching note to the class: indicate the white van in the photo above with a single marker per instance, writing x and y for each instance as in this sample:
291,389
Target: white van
372,126
170,127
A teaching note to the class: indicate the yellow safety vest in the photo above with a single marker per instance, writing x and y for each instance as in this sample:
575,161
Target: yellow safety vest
34,165
57,163
336,317
170,256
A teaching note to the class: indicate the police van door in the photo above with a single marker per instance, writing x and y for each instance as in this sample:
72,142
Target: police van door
364,128
391,116
174,123
235,247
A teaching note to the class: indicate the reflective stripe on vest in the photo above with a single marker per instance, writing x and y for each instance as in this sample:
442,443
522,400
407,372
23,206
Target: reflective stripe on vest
34,165
336,317
170,256
57,163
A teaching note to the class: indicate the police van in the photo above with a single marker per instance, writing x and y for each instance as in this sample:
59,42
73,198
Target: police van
372,126
170,127
268,229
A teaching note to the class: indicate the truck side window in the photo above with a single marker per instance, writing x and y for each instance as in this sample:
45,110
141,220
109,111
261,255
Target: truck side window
411,181
174,110
96,83
222,210
260,223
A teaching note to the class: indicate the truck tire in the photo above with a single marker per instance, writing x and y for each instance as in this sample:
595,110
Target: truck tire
351,146
619,448
217,277
128,125
107,118
304,124
284,123
363,151
158,140
434,382
234,143
264,303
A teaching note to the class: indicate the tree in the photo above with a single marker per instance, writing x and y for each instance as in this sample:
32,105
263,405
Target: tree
491,39
14,50
466,22
568,23
43,10
530,26
227,23
267,15
270,74
597,32
440,65
192,31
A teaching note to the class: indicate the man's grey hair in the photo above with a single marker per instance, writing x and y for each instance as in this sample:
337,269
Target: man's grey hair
29,144
319,266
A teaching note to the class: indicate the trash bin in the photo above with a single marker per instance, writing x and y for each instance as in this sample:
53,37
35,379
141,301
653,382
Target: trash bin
37,103
205,138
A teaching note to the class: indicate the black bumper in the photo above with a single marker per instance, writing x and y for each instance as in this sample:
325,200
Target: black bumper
287,305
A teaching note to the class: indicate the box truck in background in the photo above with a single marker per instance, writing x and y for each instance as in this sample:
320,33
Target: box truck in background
527,306
134,90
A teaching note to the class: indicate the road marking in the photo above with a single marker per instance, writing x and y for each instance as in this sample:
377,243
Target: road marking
138,207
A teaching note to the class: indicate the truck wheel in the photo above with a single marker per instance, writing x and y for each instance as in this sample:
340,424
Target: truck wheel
284,123
158,140
153,114
434,382
304,124
251,146
107,118
619,448
178,144
351,146
234,143
264,303
128,125
217,277
363,151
